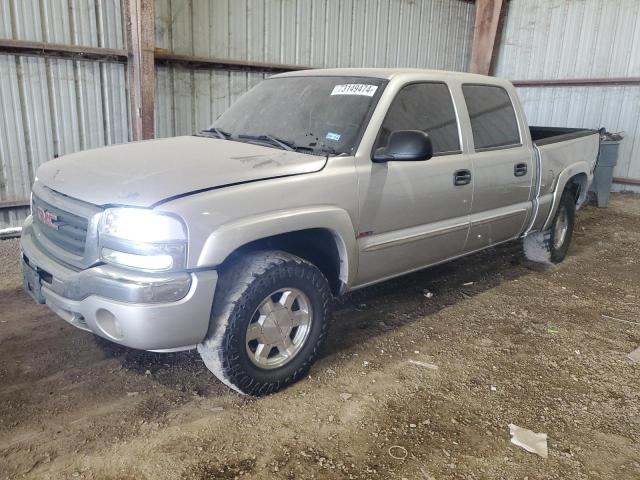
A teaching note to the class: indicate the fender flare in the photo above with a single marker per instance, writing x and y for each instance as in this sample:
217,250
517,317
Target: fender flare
563,179
228,237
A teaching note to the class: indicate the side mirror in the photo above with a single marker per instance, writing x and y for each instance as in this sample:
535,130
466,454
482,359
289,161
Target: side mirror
405,145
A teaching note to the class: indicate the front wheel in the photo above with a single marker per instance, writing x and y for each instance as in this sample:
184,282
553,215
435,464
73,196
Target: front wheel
552,245
269,319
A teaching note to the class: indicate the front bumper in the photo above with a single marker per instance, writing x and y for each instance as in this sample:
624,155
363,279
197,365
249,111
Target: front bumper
148,312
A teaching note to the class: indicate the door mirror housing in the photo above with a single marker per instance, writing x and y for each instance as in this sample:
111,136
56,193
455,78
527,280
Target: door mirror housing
406,146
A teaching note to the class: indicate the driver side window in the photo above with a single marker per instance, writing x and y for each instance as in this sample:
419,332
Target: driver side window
427,107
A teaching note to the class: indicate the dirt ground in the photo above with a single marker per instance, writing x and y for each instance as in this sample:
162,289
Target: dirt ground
519,345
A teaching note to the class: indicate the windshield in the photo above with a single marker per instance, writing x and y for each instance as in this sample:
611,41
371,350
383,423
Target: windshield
318,115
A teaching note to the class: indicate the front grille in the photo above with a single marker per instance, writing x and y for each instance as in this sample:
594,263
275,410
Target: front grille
64,229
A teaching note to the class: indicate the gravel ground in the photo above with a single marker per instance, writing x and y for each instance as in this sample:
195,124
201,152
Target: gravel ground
513,344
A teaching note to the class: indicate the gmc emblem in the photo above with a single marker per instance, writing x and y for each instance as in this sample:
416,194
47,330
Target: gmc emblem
47,218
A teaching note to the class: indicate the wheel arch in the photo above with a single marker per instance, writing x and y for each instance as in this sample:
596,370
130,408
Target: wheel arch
322,236
576,178
579,186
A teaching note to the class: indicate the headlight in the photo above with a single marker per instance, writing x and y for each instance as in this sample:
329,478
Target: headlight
142,239
141,226
144,262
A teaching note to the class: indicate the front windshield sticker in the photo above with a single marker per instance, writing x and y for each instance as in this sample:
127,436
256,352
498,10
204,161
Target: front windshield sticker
355,89
333,136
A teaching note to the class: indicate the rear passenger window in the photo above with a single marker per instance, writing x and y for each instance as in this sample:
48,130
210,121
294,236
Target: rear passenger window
427,107
493,120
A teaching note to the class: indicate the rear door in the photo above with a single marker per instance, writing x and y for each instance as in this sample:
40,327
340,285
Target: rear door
413,214
503,167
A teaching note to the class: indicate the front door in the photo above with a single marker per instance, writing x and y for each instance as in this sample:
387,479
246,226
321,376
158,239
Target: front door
503,167
413,214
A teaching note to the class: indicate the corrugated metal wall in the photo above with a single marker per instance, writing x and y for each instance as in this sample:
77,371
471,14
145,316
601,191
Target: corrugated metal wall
51,106
318,33
560,39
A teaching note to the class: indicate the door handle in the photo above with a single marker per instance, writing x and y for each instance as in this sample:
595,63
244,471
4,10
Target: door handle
461,177
520,169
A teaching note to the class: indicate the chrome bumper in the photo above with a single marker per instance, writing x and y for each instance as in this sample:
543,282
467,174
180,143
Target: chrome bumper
148,312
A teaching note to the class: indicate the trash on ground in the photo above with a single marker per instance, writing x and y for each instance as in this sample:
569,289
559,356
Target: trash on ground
493,388
610,136
635,355
530,441
468,283
398,452
553,330
426,475
430,366
427,293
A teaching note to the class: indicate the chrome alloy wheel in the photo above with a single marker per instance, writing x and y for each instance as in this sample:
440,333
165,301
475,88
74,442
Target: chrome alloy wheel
561,228
279,328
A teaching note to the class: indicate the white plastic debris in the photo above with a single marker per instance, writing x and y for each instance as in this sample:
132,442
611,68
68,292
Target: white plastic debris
467,284
535,248
635,355
398,452
427,294
530,441
430,366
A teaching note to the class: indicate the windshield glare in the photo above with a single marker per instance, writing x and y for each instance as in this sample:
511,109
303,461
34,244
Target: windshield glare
319,115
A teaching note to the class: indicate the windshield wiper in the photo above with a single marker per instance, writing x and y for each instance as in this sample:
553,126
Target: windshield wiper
220,133
276,142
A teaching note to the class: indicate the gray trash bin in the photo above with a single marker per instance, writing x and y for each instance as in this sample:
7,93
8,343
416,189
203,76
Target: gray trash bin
603,175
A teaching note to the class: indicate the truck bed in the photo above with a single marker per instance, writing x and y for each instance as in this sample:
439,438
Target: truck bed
548,135
560,154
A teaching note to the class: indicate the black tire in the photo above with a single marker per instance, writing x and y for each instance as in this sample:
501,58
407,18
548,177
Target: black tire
248,281
542,247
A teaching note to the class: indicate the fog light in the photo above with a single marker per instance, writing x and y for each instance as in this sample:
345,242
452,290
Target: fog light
109,324
144,262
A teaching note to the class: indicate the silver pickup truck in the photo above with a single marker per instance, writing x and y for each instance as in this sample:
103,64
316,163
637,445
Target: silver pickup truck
315,183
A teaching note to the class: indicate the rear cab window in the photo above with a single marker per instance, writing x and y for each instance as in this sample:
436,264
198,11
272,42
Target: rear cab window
425,106
493,119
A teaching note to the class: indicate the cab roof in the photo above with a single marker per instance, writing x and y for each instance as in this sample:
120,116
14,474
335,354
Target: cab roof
391,73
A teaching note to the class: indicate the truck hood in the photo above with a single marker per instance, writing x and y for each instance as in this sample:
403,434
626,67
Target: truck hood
144,173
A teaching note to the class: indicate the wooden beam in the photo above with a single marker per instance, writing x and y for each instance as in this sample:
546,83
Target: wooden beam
11,204
140,24
486,35
75,52
626,181
164,57
578,82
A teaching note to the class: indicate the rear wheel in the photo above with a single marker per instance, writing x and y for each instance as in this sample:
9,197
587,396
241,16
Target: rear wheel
552,245
269,319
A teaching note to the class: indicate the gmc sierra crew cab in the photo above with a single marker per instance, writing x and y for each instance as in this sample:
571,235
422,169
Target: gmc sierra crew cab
315,183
